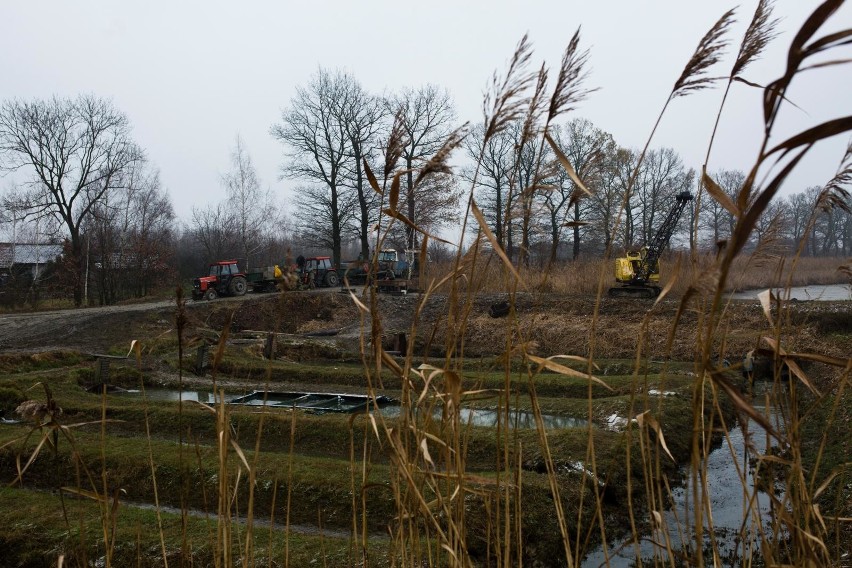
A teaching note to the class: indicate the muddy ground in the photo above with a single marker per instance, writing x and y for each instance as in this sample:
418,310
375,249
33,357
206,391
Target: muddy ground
551,324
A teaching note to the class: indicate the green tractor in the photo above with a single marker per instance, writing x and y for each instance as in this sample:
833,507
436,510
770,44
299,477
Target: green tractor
317,271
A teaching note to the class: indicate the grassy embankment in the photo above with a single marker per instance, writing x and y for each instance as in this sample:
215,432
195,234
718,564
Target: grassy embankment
317,457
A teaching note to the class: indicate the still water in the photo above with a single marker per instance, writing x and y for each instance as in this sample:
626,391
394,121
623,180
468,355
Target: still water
474,416
734,528
489,418
174,395
816,292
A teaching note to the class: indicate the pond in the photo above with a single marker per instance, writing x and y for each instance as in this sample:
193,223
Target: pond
816,292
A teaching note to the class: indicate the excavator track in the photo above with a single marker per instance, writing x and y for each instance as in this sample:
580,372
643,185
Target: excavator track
647,292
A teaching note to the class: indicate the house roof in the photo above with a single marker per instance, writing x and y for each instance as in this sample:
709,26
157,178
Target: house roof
20,253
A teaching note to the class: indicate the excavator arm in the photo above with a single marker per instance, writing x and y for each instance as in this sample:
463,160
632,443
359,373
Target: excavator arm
640,285
661,239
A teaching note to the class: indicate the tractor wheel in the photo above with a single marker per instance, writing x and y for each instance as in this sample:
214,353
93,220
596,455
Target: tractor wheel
331,279
237,286
210,294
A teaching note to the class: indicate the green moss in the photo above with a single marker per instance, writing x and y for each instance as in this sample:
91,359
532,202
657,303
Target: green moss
11,395
27,363
73,528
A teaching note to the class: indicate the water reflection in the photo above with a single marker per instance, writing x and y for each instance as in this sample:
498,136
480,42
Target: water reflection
490,418
311,401
816,292
733,529
174,395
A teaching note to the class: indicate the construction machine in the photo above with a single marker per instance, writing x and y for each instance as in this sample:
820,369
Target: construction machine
638,272
392,266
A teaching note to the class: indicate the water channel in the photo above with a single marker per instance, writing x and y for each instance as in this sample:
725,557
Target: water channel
474,416
735,529
815,292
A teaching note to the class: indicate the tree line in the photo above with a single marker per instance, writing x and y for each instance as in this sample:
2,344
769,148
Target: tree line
89,186
530,201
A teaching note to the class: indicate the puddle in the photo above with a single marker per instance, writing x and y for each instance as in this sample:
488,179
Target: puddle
816,292
727,495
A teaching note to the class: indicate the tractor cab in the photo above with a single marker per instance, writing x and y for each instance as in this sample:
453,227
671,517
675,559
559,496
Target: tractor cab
388,255
224,278
224,269
317,271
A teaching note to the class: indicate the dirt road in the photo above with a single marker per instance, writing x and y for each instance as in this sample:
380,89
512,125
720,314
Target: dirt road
87,329
96,329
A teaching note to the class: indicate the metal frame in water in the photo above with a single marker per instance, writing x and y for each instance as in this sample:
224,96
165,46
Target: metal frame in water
311,401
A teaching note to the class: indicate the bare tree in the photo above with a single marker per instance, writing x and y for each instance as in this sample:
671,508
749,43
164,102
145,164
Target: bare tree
427,120
533,168
315,209
318,149
818,218
437,199
213,229
625,163
494,158
661,176
361,115
831,227
77,150
605,203
152,235
131,236
585,146
715,219
252,208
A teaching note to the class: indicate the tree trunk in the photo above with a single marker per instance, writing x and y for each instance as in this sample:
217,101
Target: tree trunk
576,254
498,221
78,262
554,236
524,253
410,233
335,228
362,204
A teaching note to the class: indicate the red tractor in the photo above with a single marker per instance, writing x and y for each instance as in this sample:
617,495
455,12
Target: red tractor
223,279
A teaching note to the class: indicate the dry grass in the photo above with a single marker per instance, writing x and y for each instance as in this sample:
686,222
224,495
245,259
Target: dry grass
751,272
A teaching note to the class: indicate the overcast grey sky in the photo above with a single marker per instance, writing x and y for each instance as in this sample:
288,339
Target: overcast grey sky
191,75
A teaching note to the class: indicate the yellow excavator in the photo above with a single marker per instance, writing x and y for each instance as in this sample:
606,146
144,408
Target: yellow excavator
638,272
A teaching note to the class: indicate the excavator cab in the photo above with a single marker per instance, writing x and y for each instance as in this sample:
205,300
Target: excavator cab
628,266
